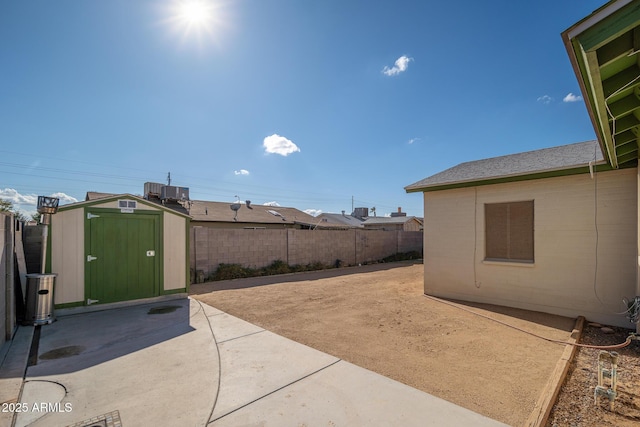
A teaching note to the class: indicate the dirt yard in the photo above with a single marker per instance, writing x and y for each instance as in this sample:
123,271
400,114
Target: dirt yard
377,317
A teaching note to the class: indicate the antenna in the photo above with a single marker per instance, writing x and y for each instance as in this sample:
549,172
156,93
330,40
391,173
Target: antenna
169,179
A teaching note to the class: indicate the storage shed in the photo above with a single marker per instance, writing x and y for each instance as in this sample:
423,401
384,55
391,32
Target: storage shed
118,248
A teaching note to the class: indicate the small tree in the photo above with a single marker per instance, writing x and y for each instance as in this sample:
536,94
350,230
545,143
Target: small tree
8,206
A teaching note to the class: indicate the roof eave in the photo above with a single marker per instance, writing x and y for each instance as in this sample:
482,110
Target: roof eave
88,203
600,166
584,61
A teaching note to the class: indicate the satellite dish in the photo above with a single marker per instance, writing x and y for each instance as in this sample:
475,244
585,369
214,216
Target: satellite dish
235,207
248,202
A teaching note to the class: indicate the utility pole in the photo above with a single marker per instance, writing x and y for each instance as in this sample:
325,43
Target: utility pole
169,179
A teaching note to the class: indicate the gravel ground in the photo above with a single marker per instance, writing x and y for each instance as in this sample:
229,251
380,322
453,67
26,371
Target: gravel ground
576,405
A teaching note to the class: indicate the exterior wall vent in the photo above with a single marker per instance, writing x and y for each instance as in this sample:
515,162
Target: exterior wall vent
127,206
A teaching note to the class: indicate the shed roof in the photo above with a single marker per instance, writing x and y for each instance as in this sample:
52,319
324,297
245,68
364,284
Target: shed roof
100,198
555,161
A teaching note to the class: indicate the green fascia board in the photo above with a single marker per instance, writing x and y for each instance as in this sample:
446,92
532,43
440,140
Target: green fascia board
582,40
610,27
602,167
588,74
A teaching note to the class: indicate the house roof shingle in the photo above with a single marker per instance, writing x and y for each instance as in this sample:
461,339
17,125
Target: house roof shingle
552,159
221,212
390,220
339,219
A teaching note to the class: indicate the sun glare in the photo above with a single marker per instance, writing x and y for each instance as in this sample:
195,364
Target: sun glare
194,13
195,20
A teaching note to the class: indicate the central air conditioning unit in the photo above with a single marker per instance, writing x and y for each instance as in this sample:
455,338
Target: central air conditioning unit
152,189
361,212
169,192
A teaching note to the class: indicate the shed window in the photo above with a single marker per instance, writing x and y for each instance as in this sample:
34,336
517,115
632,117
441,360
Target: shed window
127,204
509,231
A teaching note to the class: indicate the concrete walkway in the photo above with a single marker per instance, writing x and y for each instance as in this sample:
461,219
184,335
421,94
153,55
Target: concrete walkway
183,363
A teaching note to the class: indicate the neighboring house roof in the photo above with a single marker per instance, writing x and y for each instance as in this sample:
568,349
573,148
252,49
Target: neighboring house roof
339,219
205,211
563,160
94,195
603,49
221,212
383,220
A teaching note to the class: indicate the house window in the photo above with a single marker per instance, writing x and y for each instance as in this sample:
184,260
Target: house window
509,231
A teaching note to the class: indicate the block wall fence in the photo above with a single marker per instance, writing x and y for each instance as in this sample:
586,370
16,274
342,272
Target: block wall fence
7,299
211,247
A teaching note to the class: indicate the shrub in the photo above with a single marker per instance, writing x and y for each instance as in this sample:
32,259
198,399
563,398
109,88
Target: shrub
231,271
404,256
237,271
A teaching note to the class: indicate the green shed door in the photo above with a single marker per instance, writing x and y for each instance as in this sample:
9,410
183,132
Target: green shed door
122,256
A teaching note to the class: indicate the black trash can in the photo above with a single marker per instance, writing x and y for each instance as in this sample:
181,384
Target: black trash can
39,299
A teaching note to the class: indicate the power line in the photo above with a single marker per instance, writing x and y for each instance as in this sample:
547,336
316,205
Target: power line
197,184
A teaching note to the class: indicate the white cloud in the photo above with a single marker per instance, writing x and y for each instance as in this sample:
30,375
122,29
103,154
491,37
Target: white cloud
271,204
400,66
572,98
412,140
277,144
545,99
64,198
18,199
312,212
26,203
31,199
241,172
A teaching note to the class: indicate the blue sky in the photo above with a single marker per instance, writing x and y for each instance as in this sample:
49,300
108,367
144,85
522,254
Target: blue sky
313,104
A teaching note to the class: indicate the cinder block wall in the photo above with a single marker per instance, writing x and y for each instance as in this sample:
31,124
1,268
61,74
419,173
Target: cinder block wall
410,241
7,296
325,246
372,245
251,248
211,247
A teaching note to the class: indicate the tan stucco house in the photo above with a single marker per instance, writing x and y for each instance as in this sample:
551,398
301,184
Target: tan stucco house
552,230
